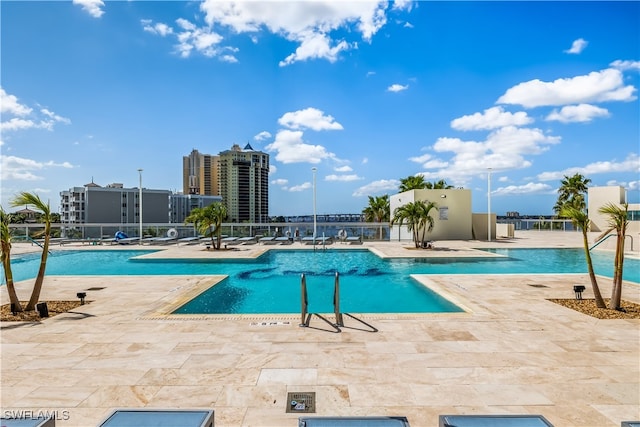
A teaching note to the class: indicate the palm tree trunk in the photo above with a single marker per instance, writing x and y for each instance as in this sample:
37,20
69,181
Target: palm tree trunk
592,276
11,289
616,294
37,287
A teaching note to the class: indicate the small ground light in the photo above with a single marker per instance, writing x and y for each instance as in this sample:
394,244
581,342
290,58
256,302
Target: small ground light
82,296
578,289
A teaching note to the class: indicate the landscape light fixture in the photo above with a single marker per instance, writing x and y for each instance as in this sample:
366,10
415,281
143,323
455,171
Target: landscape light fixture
82,296
578,289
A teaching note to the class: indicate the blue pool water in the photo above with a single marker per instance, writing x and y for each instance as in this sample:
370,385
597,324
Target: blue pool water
271,283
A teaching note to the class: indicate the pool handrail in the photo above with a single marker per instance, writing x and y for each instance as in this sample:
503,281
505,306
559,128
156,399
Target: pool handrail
304,321
336,300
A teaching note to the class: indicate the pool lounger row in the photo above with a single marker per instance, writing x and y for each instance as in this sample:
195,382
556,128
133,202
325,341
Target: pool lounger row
318,240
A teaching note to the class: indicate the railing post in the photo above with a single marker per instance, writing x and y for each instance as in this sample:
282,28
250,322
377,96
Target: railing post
304,301
336,300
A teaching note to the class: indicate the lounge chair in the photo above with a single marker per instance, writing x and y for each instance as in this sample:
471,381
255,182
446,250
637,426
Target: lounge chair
248,240
353,422
354,240
283,240
230,241
266,240
159,417
493,421
189,240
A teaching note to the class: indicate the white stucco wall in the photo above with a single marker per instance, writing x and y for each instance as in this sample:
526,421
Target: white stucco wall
452,220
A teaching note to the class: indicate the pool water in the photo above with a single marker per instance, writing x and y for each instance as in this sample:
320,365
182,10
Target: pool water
368,284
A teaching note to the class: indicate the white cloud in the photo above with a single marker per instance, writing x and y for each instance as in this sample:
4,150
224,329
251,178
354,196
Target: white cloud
310,118
280,181
92,7
383,186
397,87
365,160
630,164
342,178
530,188
577,46
577,113
631,185
343,169
291,148
491,118
262,136
370,73
301,187
597,86
626,65
17,124
19,168
309,24
9,105
159,28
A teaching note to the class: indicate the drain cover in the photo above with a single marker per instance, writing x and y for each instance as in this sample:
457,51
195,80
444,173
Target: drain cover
301,402
95,289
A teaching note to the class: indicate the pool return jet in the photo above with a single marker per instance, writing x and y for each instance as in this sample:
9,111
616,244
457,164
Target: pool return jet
305,316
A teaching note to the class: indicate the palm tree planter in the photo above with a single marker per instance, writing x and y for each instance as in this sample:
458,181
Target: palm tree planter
208,221
418,217
618,221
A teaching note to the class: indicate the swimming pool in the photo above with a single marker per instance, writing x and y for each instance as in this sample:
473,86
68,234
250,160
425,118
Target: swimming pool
271,283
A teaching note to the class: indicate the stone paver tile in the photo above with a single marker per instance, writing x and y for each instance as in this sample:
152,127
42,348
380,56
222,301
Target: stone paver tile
564,414
120,396
269,417
46,361
185,396
210,361
381,395
445,395
288,376
618,413
12,394
229,416
99,377
328,376
126,361
511,394
45,395
391,347
272,395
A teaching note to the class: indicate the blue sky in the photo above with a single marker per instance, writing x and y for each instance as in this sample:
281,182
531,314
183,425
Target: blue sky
366,92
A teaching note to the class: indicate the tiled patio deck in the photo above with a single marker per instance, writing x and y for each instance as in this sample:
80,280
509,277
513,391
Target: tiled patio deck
513,352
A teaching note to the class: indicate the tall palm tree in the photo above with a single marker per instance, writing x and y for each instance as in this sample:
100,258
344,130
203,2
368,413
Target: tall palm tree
208,221
378,210
438,185
418,217
572,192
412,182
618,221
580,219
5,254
26,198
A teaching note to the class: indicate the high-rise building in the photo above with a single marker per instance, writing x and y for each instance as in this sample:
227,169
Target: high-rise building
243,181
200,174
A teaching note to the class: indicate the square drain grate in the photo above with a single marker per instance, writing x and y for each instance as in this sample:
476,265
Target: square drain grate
539,286
301,402
95,288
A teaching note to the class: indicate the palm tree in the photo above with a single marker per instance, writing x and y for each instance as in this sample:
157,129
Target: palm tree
572,192
418,218
5,254
438,185
208,221
618,221
412,182
25,198
378,210
580,219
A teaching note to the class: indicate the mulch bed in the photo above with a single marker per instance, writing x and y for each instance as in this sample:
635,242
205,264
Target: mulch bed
54,307
630,310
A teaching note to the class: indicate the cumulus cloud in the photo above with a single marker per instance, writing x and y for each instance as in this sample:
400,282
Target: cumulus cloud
491,118
262,136
577,46
427,161
530,188
309,118
310,25
343,169
159,28
280,181
342,178
626,65
92,7
301,187
630,164
19,168
383,186
291,148
397,87
577,113
25,117
597,86
9,105
631,185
